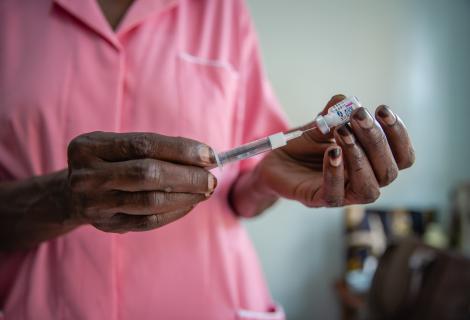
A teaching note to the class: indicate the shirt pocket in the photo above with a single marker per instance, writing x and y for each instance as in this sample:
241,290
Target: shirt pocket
206,91
275,313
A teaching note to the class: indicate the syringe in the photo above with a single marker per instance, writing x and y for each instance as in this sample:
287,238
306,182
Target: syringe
337,115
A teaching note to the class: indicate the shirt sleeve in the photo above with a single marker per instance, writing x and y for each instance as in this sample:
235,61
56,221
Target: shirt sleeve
260,112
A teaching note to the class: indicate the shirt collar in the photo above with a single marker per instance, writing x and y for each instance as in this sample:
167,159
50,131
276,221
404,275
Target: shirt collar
142,9
90,14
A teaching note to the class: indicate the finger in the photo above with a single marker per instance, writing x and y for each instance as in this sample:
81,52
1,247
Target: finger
127,146
121,223
397,136
144,175
362,186
375,144
333,178
142,203
334,100
313,141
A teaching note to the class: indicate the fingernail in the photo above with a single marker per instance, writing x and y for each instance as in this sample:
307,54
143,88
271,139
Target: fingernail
363,118
387,115
206,154
211,183
346,135
335,157
338,97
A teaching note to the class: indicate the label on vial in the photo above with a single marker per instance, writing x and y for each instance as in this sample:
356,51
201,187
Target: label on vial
341,112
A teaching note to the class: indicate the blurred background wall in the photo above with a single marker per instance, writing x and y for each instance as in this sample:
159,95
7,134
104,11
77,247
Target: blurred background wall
413,55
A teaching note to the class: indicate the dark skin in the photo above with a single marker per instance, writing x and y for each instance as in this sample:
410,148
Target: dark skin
114,10
347,167
120,182
115,182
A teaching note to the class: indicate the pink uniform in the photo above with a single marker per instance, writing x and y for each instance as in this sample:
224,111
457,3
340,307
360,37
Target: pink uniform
181,68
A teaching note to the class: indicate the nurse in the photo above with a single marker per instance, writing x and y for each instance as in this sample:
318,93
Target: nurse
109,111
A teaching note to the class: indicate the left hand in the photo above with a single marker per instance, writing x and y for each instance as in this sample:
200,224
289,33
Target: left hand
347,167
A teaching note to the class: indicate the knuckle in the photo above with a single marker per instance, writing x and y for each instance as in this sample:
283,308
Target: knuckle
148,199
368,194
190,150
333,202
155,199
358,157
371,195
306,196
309,204
310,200
335,182
183,146
406,164
391,173
117,223
78,146
100,226
150,170
197,178
377,138
110,229
409,160
180,145
91,137
152,221
171,198
73,147
142,145
332,195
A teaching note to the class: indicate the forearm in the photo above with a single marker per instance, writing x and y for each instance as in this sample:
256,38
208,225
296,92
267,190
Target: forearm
249,196
34,210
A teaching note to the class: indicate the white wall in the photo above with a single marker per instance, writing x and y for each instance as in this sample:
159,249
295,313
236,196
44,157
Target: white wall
411,55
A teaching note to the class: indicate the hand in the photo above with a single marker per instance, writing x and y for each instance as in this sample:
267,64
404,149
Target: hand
136,181
348,167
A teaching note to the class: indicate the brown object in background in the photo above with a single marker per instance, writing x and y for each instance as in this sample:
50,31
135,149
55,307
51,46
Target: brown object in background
367,233
460,218
414,281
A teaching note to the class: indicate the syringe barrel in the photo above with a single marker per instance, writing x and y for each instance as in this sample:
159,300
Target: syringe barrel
336,115
244,151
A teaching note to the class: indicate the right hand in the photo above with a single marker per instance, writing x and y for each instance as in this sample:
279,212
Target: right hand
123,182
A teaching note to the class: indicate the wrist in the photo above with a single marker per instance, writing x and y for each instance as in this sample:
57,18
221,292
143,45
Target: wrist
251,194
260,185
35,210
67,204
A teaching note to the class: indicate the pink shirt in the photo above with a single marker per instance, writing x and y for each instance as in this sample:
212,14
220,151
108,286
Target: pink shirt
188,68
